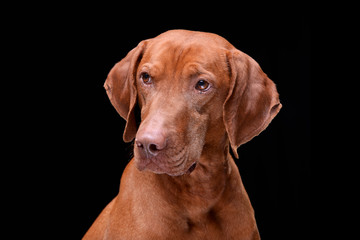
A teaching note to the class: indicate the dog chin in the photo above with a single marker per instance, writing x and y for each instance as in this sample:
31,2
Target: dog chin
154,168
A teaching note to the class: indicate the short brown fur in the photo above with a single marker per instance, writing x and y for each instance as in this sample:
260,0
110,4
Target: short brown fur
190,187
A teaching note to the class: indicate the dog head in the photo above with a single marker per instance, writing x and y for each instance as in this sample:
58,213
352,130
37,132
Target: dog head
196,93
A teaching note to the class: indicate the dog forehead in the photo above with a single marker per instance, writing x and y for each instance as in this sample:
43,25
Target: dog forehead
193,36
175,52
171,50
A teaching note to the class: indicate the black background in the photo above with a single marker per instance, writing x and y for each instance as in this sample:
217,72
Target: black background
81,150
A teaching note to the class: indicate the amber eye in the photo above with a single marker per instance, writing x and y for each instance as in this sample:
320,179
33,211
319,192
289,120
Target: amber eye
146,78
202,85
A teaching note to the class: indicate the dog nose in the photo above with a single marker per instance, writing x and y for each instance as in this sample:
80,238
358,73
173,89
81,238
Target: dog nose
151,143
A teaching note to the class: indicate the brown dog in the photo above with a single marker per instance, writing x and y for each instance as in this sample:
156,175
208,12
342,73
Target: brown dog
198,95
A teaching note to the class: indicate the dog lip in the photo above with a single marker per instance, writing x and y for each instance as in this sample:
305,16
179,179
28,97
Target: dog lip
152,166
142,165
163,164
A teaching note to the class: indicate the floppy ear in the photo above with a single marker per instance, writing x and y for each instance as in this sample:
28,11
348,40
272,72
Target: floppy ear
252,101
121,88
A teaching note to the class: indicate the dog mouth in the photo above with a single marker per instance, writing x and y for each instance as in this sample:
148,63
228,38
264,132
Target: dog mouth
176,160
179,173
157,168
173,166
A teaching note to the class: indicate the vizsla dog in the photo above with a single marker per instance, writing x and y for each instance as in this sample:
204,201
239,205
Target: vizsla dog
197,95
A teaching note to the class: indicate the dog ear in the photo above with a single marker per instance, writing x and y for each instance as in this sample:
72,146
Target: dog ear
120,87
252,101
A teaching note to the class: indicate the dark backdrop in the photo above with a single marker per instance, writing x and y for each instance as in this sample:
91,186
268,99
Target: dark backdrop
82,133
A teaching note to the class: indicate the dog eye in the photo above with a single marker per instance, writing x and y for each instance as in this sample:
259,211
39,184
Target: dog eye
202,85
146,78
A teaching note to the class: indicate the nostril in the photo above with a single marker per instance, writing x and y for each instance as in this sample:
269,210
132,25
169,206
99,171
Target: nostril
150,145
153,148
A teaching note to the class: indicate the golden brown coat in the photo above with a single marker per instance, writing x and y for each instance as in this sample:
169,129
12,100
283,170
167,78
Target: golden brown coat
198,95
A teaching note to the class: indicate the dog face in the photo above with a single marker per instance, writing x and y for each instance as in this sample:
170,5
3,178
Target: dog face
181,86
196,93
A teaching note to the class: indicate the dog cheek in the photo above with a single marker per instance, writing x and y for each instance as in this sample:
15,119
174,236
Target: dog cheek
197,131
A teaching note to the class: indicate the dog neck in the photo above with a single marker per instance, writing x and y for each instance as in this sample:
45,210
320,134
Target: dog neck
203,187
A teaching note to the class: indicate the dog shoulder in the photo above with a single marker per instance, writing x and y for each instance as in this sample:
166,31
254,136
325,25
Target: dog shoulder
99,227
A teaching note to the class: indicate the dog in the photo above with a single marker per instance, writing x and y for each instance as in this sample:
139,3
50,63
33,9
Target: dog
197,96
